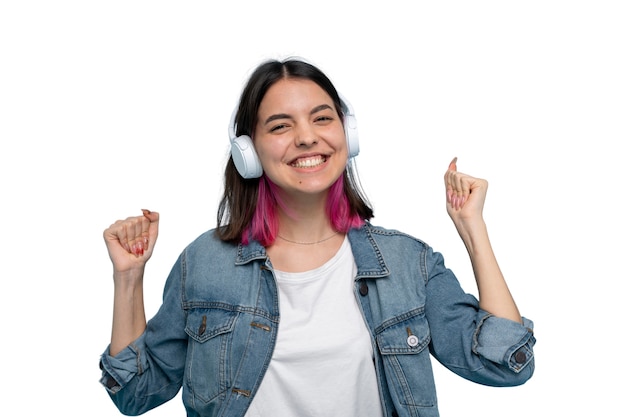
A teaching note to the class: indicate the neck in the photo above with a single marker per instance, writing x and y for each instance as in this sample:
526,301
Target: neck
310,226
313,242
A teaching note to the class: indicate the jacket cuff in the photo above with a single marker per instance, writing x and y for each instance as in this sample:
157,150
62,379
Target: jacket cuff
505,341
118,370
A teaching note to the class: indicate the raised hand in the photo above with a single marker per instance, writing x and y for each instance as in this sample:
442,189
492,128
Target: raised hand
465,195
130,242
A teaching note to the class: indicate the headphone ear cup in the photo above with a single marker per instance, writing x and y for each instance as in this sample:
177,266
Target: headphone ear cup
245,157
352,135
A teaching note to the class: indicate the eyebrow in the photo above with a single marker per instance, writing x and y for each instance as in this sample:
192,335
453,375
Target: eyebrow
286,116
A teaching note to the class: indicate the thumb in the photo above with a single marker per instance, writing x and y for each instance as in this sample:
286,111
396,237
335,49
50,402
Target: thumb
153,228
452,166
153,216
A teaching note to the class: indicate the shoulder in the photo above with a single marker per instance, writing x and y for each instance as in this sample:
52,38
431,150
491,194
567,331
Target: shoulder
384,236
376,248
209,243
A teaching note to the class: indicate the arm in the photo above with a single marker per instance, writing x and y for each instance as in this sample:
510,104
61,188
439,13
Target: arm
465,198
130,243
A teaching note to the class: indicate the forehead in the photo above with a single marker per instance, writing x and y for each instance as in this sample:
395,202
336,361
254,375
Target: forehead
294,93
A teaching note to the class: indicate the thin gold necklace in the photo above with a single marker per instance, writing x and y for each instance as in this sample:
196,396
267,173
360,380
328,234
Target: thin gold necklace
308,243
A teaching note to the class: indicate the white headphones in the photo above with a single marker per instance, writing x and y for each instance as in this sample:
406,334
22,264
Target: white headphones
247,161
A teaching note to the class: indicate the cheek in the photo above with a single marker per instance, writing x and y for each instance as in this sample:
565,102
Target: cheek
339,134
270,155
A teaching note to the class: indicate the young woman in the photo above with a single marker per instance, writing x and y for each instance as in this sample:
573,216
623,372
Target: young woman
296,305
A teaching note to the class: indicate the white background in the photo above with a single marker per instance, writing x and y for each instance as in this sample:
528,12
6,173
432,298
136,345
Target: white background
110,107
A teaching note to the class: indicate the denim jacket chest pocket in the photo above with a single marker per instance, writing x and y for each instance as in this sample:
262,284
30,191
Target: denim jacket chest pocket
210,339
403,345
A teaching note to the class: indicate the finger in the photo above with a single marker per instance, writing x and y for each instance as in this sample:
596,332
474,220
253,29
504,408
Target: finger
458,189
122,236
150,230
452,166
145,232
452,182
134,230
464,191
139,242
454,194
449,179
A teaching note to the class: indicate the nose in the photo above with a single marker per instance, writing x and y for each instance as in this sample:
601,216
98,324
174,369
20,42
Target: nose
305,136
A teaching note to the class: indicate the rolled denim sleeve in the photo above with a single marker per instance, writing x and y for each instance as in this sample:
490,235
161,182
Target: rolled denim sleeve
118,370
504,341
470,341
150,370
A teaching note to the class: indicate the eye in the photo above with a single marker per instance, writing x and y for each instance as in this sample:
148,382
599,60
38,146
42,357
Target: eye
323,119
278,128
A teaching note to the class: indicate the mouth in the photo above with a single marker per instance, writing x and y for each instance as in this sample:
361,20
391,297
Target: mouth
309,162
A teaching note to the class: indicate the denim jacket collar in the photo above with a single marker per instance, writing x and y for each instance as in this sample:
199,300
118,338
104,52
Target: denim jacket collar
250,252
369,260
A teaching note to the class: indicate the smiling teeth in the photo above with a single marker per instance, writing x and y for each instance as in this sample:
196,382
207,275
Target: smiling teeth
309,162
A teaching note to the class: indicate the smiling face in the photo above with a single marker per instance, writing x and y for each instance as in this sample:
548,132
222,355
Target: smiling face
299,137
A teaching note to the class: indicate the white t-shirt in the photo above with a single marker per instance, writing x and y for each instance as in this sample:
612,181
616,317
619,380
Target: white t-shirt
322,365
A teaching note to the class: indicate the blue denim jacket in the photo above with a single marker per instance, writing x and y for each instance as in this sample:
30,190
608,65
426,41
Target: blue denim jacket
215,331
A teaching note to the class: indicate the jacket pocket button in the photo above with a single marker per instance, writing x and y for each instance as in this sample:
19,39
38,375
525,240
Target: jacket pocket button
363,290
412,340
